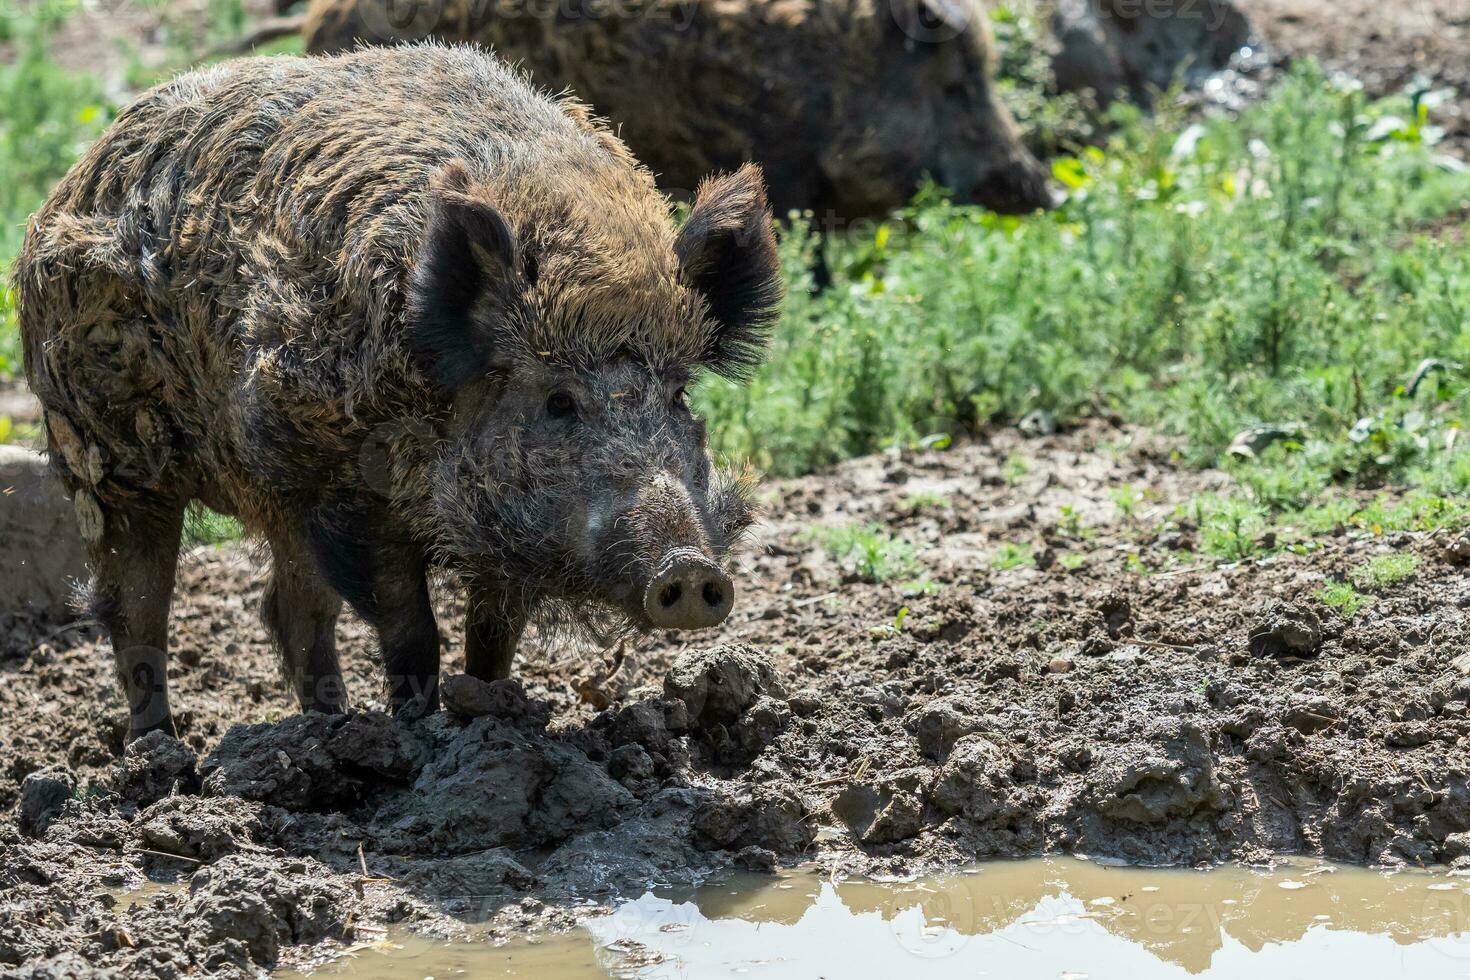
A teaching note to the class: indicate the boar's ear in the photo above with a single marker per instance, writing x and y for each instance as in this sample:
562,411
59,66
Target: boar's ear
466,267
727,252
916,22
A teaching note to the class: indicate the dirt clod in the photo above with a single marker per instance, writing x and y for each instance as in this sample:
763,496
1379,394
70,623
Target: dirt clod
719,684
156,766
1286,630
503,699
247,908
42,795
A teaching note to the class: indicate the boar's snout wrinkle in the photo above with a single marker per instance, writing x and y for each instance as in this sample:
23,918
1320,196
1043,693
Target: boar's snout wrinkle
406,317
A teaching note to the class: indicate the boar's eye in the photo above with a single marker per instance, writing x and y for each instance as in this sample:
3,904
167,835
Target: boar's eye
681,397
561,406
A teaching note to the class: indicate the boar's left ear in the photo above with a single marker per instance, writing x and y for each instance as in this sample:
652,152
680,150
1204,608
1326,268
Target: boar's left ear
466,268
727,252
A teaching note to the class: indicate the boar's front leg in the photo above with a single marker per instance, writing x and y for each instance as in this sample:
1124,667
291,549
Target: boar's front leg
408,634
385,578
300,610
493,628
133,565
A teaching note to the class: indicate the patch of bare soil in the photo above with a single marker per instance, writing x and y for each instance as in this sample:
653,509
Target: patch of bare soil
1388,46
1201,713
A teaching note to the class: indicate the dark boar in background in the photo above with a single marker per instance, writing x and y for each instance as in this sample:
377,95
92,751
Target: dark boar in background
847,105
397,311
1132,49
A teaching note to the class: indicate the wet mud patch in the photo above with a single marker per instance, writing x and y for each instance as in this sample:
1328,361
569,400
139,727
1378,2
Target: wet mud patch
975,706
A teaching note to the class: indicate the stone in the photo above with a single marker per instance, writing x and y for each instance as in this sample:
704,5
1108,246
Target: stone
41,552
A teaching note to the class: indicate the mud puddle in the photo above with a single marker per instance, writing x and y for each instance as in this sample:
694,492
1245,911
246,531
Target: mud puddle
1037,918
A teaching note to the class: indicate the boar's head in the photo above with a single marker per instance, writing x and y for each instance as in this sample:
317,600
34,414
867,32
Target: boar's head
565,332
926,106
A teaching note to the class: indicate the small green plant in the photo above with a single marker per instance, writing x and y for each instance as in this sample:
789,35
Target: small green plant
1069,522
923,500
890,629
1012,555
1015,469
1230,527
1343,597
1127,499
1071,560
1385,570
873,554
203,526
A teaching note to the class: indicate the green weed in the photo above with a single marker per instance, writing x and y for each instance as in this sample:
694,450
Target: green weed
1343,597
1229,527
1012,555
923,500
203,526
1385,570
869,550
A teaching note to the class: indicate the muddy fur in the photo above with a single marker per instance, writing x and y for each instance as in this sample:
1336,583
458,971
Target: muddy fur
339,298
847,104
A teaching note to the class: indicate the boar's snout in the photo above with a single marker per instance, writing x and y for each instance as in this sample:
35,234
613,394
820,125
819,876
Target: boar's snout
1018,186
688,592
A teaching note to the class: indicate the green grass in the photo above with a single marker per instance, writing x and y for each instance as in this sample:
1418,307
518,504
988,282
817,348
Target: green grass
1343,597
1385,570
870,552
923,500
203,526
1012,555
47,117
1251,272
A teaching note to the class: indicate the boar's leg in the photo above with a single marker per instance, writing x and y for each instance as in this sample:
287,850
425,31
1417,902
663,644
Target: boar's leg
300,610
493,627
385,578
133,566
407,633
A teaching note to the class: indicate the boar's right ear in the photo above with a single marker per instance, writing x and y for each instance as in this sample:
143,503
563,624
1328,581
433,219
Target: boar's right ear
466,266
727,252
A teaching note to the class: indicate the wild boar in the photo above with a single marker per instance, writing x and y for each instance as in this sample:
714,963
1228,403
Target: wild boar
398,312
848,105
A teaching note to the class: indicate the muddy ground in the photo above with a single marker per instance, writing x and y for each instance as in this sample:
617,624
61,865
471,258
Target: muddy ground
1199,713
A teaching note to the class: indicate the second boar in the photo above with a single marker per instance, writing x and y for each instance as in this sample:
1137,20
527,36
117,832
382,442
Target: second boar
848,105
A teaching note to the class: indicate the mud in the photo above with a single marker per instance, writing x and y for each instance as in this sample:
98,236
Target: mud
1200,713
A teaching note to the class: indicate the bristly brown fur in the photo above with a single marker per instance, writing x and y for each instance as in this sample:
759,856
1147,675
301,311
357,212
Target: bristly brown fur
847,104
399,312
239,249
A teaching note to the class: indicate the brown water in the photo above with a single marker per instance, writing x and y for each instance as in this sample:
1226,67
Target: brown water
1060,918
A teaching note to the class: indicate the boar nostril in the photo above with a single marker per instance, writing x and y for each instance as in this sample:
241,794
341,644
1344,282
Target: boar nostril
688,592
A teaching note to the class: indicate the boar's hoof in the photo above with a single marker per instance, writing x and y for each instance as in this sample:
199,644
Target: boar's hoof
689,592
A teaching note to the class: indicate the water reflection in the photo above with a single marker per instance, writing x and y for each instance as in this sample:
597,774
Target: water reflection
1052,918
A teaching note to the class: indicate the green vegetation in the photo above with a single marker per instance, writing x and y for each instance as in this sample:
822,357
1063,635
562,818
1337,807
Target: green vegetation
1385,570
1012,555
1015,469
1343,597
1372,575
923,500
870,551
203,526
1203,281
47,117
